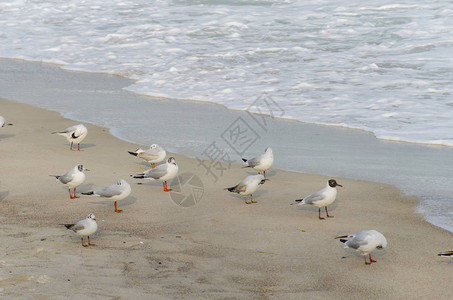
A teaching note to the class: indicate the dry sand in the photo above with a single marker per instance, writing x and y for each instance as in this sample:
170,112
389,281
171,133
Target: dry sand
220,248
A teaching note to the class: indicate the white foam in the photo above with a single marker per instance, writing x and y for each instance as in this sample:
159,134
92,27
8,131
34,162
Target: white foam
385,68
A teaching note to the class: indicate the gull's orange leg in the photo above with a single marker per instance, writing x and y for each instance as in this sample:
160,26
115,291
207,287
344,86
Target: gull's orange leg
117,210
366,263
328,213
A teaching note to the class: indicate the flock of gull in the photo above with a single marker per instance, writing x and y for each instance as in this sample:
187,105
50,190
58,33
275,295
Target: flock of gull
363,242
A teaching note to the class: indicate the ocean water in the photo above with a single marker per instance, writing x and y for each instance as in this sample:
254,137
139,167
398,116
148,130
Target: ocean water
384,67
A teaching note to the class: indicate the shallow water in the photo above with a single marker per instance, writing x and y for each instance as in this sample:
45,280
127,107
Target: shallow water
384,67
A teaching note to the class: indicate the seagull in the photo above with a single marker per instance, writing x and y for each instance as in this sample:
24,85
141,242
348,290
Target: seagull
162,172
74,134
322,198
446,253
248,186
115,192
72,179
364,242
3,122
261,163
155,154
85,227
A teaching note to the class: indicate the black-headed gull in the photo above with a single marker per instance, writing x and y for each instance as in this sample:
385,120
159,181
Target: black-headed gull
74,134
446,253
322,198
364,242
72,179
261,163
155,154
248,186
85,227
162,172
115,192
3,122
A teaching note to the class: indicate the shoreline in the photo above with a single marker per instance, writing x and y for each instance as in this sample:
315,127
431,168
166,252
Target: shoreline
220,248
157,97
331,150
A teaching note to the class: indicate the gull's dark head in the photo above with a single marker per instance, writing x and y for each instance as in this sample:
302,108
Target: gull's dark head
333,183
172,160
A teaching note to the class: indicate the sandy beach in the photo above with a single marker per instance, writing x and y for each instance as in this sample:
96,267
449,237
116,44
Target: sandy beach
220,248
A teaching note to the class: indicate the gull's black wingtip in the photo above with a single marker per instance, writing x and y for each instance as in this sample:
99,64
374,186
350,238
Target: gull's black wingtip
138,176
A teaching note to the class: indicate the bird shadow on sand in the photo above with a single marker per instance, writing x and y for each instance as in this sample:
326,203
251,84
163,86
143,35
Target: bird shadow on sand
82,146
6,136
331,208
121,204
145,165
3,195
256,195
152,183
269,174
81,189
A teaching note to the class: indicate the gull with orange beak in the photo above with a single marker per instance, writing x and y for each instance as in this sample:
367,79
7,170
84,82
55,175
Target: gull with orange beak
162,172
72,179
322,198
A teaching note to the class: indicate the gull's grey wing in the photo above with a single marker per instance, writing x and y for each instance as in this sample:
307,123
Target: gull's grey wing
355,244
67,177
360,239
70,129
148,155
313,198
78,226
157,172
255,161
240,188
110,191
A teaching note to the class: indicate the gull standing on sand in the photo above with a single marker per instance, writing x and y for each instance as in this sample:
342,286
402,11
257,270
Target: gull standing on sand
364,242
155,154
322,198
261,163
162,172
72,179
74,134
85,227
3,122
248,186
115,192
